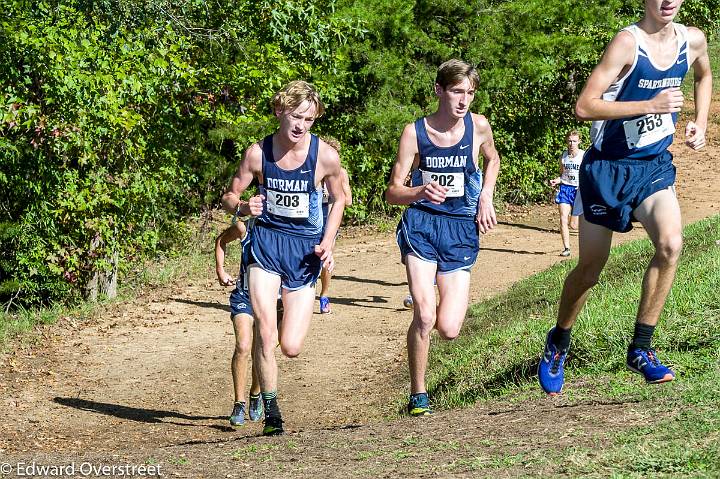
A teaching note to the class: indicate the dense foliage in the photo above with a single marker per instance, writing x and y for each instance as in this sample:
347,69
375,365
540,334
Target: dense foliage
121,118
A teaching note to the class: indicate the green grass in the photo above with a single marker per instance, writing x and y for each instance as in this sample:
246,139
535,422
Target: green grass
497,354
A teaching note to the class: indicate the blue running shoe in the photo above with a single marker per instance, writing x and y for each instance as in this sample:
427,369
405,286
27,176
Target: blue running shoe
419,405
256,407
324,304
646,362
237,418
273,426
551,371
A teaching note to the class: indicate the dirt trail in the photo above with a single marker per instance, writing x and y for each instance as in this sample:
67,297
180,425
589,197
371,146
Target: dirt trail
150,378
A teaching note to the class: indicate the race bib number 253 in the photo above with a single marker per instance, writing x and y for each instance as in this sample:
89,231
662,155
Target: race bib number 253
648,129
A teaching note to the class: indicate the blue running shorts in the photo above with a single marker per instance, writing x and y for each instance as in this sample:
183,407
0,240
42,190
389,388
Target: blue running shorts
452,243
289,256
566,194
240,301
611,189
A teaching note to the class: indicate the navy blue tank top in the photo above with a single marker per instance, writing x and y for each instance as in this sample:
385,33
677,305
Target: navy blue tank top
292,201
645,135
452,167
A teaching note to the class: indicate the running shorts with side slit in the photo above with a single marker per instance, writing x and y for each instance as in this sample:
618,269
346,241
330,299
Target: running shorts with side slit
566,194
240,296
292,257
451,242
611,189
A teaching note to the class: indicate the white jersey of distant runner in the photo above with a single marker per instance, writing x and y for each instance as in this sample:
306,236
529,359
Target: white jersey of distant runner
571,168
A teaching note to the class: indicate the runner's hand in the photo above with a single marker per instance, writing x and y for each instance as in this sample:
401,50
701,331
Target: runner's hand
329,264
256,205
486,219
225,279
433,192
669,100
322,251
555,182
694,136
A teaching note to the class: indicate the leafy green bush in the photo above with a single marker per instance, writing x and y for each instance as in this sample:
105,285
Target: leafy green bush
119,118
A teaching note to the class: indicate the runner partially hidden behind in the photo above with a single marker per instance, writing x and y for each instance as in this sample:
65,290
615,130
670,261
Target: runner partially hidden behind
289,241
327,204
241,314
633,95
438,233
568,180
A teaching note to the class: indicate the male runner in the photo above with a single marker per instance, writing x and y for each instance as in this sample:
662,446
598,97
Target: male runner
633,95
327,204
241,315
288,245
568,181
438,234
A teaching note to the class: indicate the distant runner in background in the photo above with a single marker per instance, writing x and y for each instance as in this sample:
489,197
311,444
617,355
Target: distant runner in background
327,270
568,181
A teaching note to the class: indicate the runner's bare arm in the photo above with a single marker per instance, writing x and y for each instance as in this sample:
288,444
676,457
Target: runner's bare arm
558,179
346,187
619,56
231,233
329,167
397,192
695,130
486,218
250,167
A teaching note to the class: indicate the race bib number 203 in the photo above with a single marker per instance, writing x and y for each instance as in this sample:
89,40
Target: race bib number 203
290,204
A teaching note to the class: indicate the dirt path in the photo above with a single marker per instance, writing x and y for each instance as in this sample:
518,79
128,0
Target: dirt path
149,380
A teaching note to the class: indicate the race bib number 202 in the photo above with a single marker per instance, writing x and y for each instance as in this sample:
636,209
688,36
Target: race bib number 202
454,182
290,205
648,129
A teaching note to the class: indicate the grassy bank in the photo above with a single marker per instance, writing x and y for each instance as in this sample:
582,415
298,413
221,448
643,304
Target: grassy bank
498,352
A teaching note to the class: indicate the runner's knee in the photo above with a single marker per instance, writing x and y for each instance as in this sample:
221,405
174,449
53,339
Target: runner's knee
586,275
424,321
668,249
243,347
448,331
289,349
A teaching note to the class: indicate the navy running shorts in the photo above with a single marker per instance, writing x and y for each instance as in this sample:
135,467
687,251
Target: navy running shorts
611,189
452,243
240,301
566,194
289,256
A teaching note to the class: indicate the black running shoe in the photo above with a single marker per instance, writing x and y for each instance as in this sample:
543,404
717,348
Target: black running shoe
273,426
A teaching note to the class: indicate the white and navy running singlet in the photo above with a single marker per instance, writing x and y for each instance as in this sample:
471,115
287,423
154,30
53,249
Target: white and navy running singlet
645,135
292,201
570,167
452,167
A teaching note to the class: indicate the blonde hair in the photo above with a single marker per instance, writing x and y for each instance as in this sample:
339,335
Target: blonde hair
455,71
332,142
294,93
573,133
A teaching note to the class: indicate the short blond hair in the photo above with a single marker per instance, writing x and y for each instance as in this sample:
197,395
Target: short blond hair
294,93
455,71
573,133
332,142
